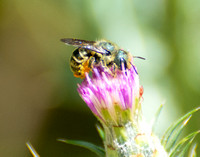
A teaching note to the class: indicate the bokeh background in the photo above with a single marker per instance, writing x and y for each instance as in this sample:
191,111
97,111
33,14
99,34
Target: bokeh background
38,97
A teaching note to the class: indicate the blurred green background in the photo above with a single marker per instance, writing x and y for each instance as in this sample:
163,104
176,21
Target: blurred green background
38,98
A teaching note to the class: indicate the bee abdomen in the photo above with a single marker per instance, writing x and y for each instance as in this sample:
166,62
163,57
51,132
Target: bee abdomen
78,62
80,54
78,57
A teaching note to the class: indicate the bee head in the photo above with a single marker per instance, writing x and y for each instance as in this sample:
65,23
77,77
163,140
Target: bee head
121,59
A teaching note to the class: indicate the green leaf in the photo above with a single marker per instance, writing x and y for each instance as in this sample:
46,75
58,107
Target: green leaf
100,131
32,150
192,152
181,148
175,134
96,149
170,137
155,119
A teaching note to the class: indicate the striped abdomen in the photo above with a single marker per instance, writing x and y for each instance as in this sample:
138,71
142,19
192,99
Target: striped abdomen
79,62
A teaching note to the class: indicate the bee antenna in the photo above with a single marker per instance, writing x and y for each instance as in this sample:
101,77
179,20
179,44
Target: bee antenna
139,57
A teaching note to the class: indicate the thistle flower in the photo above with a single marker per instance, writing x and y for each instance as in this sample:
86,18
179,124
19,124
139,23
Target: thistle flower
116,102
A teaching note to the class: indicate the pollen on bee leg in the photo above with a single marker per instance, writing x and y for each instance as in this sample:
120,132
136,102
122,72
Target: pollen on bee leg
86,67
79,76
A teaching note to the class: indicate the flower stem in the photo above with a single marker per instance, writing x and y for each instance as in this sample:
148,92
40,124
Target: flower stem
119,141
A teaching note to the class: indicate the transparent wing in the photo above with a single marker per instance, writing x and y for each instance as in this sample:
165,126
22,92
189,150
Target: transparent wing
77,42
90,45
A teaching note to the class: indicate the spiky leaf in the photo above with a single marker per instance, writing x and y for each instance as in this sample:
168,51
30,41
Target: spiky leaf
175,134
100,131
181,148
96,149
172,133
155,119
32,149
192,152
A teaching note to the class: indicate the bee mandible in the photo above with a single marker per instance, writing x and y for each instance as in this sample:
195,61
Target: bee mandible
90,53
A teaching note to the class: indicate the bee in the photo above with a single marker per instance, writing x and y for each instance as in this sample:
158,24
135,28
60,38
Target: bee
90,53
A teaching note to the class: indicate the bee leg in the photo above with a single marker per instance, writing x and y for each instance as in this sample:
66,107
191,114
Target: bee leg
114,70
102,63
107,69
91,62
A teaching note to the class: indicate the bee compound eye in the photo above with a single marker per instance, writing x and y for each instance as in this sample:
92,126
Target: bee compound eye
121,59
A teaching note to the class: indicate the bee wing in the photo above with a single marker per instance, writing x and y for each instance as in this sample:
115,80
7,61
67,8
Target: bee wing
90,45
77,42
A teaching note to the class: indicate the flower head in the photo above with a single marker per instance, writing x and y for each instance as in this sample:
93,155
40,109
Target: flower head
112,98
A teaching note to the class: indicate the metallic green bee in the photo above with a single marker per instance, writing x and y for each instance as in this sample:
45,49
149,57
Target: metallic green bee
90,53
